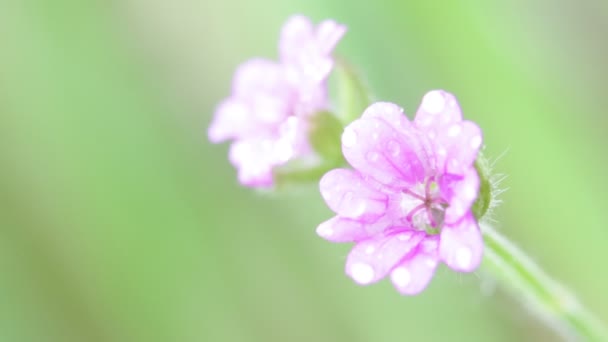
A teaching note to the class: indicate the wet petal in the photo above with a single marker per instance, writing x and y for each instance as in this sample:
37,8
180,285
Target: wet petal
461,141
413,275
438,109
371,260
390,113
461,245
348,195
461,193
338,229
378,150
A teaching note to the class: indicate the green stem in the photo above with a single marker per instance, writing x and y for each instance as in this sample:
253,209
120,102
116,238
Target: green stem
545,297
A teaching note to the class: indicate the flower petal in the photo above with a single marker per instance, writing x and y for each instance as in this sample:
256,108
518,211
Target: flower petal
296,32
257,76
232,119
328,34
372,259
348,195
377,149
390,113
461,141
461,193
339,229
254,160
461,245
438,109
413,275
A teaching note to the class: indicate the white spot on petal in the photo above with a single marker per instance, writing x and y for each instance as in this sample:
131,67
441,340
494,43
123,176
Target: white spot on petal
373,156
401,277
464,256
454,131
475,142
441,151
325,230
370,249
433,102
404,236
362,273
432,134
393,148
349,137
469,192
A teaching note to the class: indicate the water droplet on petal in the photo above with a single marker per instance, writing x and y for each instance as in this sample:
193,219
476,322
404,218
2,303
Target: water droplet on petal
394,148
401,277
404,236
433,102
349,137
454,131
464,256
362,273
373,156
475,142
325,230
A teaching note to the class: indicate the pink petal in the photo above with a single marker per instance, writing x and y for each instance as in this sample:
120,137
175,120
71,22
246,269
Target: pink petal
438,109
413,275
254,160
339,229
328,34
232,119
296,32
377,149
371,260
390,113
348,195
462,142
257,76
461,245
460,194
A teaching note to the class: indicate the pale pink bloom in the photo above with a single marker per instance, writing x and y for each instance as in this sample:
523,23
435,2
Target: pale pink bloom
267,113
407,203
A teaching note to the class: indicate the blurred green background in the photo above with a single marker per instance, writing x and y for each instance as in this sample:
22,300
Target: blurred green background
120,222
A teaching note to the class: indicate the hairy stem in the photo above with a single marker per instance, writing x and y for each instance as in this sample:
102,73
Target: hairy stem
554,304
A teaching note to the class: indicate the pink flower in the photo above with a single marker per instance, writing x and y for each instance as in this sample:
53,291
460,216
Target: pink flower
266,114
407,203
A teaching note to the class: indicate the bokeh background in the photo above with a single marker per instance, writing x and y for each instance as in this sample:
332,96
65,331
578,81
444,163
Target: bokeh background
120,222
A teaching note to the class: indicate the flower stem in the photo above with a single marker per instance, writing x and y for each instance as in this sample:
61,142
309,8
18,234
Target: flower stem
544,296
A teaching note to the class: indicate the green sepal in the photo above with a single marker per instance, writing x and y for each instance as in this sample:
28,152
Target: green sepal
484,198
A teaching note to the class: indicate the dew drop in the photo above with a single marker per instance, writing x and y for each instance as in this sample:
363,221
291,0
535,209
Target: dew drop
325,230
404,236
373,156
433,102
394,148
349,137
475,142
464,256
454,131
362,273
401,277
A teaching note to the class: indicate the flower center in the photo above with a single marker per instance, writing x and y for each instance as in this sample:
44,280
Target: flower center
423,207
